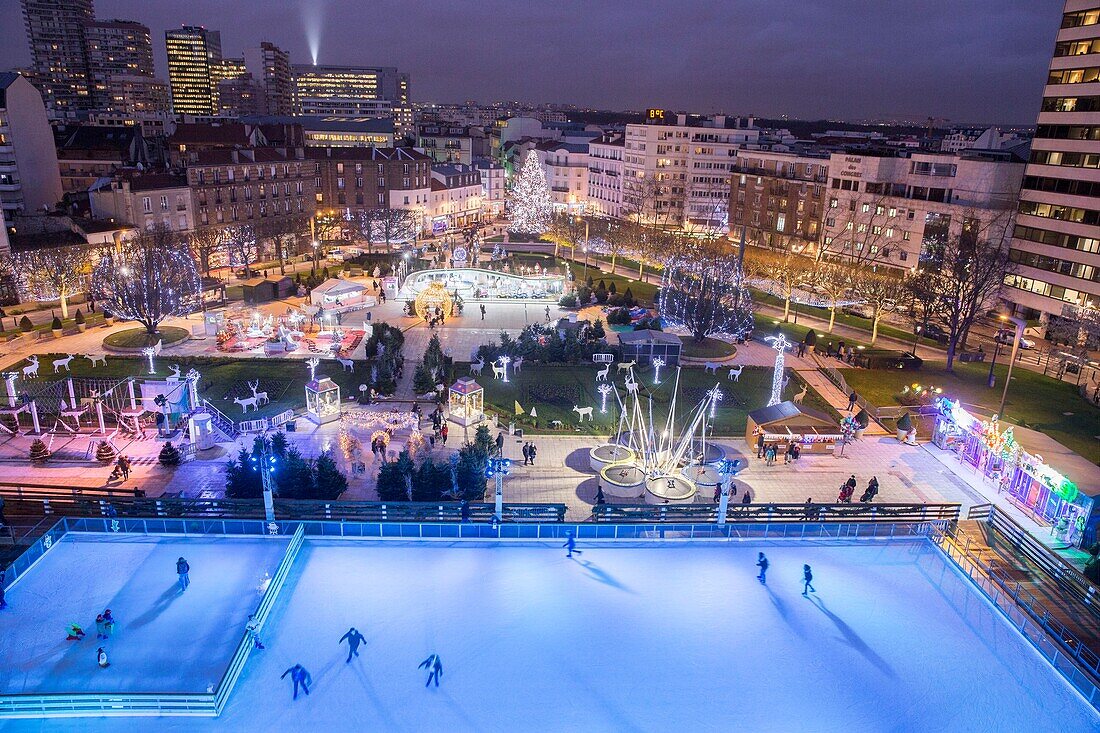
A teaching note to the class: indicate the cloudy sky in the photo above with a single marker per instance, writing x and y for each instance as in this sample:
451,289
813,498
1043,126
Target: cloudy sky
963,60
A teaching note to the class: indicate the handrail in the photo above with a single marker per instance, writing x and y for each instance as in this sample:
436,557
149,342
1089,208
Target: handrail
757,513
34,492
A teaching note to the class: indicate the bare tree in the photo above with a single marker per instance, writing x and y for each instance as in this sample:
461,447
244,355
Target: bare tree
863,232
881,291
149,277
281,231
702,290
205,243
242,245
834,283
780,271
386,225
52,273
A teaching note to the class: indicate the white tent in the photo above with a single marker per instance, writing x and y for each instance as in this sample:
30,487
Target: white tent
335,293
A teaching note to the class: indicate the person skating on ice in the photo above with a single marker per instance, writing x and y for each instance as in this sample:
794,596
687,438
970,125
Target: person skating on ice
434,667
807,581
101,658
762,563
253,629
100,631
571,546
299,676
183,570
354,639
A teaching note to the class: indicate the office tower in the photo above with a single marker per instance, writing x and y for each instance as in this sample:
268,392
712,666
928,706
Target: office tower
193,52
55,30
120,68
269,66
349,90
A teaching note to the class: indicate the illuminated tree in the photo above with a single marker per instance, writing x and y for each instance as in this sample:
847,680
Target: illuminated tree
702,291
205,243
52,273
149,277
242,246
532,207
386,226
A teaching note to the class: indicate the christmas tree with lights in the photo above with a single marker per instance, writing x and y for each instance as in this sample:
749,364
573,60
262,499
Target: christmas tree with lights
531,204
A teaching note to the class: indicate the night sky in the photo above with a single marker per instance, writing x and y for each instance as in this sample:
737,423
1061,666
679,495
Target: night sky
963,60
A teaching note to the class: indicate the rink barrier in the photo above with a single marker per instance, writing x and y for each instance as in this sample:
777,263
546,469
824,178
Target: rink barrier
1075,661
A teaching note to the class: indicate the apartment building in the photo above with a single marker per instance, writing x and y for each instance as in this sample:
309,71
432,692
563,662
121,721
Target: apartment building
605,176
566,168
1056,243
778,198
30,179
55,31
144,200
251,185
353,179
455,198
87,153
269,66
894,208
452,143
492,187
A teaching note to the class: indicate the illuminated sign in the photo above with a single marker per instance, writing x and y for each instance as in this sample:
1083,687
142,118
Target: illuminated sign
655,114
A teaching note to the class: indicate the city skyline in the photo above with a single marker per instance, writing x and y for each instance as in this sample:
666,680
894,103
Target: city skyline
723,58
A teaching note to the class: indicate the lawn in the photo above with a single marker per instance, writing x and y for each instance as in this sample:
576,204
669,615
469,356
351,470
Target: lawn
223,379
554,390
1034,401
644,293
137,338
708,349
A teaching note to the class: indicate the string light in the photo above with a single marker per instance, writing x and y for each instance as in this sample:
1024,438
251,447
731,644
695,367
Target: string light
605,390
703,295
532,206
715,398
780,344
504,361
657,364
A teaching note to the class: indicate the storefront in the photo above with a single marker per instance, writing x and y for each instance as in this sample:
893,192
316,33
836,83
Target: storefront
786,422
995,451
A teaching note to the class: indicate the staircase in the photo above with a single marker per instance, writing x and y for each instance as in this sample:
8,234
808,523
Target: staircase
224,425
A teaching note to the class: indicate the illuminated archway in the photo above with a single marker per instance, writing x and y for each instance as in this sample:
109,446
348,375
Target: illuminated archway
432,297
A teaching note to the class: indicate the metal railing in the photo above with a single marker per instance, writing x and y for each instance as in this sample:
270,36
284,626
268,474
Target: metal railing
773,513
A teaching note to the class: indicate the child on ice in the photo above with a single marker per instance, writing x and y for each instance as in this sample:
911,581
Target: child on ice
182,570
571,546
762,563
807,580
253,629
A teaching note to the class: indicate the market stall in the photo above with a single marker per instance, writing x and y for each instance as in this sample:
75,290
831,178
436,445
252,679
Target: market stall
786,422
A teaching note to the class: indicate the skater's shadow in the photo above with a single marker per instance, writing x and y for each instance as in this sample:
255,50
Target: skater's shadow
601,576
780,606
388,723
159,606
853,639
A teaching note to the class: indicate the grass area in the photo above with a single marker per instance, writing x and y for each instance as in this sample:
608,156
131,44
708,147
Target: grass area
222,378
11,328
708,349
138,338
796,332
554,390
1034,401
644,293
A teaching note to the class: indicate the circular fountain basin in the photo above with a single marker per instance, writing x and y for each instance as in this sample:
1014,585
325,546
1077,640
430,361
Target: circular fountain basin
624,480
705,478
669,489
604,455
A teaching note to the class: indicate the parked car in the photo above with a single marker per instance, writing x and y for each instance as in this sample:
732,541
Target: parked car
935,332
1006,335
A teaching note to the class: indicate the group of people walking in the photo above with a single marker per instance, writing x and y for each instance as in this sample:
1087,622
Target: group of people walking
769,452
848,488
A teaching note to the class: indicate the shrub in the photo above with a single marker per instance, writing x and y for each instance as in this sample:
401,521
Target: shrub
612,289
811,338
79,317
601,294
584,295
597,329
619,317
55,324
39,451
569,300
25,324
617,300
629,295
169,455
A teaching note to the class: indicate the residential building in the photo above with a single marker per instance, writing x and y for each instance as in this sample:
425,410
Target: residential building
30,180
896,207
981,138
241,95
121,49
259,186
333,131
566,169
359,179
55,30
455,198
144,200
452,143
90,152
189,139
137,98
676,173
349,90
1056,244
605,176
492,187
269,65
778,198
193,53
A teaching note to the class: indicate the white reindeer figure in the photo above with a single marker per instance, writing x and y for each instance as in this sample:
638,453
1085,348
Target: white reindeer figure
801,395
58,363
735,374
246,403
581,412
711,367
517,364
498,370
175,372
601,375
261,397
631,386
347,364
31,372
477,366
93,358
625,366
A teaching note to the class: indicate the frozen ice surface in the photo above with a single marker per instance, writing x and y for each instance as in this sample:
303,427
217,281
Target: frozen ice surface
637,637
164,640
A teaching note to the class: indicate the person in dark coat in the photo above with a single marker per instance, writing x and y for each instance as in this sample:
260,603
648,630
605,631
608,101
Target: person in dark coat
852,400
500,444
747,498
354,639
299,676
533,451
762,563
434,667
571,546
807,581
526,451
871,490
183,571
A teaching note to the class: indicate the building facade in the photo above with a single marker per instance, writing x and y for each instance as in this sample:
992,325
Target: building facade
121,50
91,152
356,179
778,198
193,53
452,143
566,169
257,186
1056,243
360,91
269,65
144,200
30,179
492,188
605,176
455,198
55,30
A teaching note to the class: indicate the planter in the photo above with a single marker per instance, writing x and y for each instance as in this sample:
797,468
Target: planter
82,327
57,332
109,321
271,349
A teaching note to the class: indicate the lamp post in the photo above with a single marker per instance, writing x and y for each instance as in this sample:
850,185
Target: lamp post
266,466
916,337
727,469
991,380
1016,336
498,468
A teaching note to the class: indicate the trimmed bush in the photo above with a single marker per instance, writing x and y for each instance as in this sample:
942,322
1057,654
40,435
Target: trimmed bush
169,455
25,324
811,338
569,300
55,324
79,317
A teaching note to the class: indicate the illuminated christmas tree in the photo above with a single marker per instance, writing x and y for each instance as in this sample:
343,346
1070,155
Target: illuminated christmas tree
702,292
531,204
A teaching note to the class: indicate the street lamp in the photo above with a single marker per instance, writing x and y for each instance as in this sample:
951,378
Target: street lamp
916,337
1016,336
498,468
727,469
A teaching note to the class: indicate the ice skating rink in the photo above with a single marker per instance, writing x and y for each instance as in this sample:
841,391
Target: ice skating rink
164,640
622,638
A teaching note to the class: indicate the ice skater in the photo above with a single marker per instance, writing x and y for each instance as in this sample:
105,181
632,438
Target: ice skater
807,581
299,676
571,546
75,633
434,667
101,658
182,569
354,640
253,629
100,630
108,623
762,563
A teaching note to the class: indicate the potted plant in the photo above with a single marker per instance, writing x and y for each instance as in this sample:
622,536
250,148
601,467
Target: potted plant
108,318
105,452
79,320
905,424
55,327
39,451
862,421
811,339
25,324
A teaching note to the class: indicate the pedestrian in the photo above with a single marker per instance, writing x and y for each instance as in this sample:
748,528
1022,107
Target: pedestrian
500,444
809,512
787,451
100,632
759,442
571,546
534,452
299,676
801,349
483,311
464,510
852,400
547,314
600,498
870,491
796,451
851,484
435,669
717,493
762,563
101,658
354,640
253,630
807,580
182,570
747,498
443,433
75,633
526,451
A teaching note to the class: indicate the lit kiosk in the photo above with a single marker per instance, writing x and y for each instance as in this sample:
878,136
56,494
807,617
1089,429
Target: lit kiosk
322,400
466,402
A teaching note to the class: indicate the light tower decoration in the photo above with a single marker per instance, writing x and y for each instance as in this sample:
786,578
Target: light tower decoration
498,468
532,206
716,397
780,344
312,363
149,352
657,364
605,390
265,464
727,469
505,360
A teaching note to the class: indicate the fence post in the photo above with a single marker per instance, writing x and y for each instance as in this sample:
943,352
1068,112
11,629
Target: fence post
328,510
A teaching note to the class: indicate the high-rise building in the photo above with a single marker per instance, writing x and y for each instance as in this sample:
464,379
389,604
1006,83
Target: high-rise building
349,90
193,52
30,179
269,66
55,30
1056,242
115,48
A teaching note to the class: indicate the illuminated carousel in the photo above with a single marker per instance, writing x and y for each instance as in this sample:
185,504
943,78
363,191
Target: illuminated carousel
432,299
